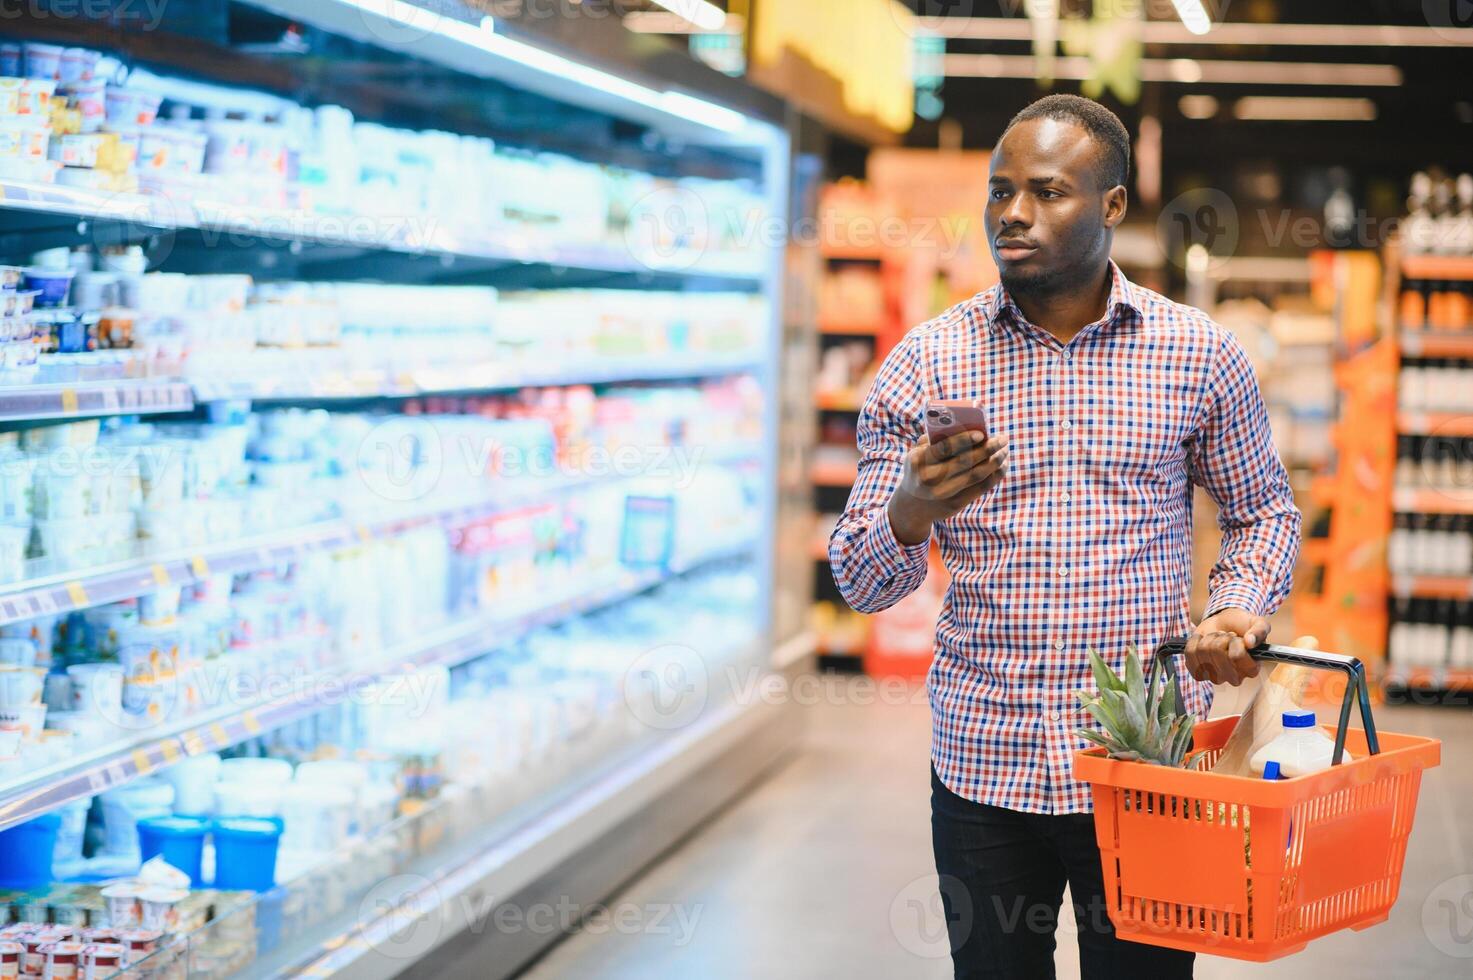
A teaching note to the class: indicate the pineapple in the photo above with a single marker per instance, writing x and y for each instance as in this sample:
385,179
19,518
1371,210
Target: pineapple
1140,725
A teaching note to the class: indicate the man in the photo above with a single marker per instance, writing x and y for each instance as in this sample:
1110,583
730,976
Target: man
1068,529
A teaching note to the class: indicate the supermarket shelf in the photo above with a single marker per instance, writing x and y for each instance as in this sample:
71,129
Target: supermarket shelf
1424,343
127,579
221,728
1429,678
1432,586
850,328
1451,425
1432,502
86,399
485,377
853,253
1437,267
404,234
581,848
838,401
834,474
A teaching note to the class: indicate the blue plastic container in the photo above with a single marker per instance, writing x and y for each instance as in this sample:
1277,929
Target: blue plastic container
245,853
25,852
179,840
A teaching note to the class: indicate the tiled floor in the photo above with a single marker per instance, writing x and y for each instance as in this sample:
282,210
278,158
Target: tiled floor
823,872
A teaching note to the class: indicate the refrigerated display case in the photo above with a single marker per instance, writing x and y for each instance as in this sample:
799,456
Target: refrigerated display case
392,412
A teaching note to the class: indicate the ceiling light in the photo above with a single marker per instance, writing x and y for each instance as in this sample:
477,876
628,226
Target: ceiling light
1193,17
706,16
1304,109
1198,106
1168,70
1171,32
1185,70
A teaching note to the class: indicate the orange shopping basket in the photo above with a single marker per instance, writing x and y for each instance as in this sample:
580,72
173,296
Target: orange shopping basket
1250,868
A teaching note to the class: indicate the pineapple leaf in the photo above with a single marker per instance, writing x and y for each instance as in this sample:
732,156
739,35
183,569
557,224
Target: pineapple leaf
1135,681
1105,678
1096,737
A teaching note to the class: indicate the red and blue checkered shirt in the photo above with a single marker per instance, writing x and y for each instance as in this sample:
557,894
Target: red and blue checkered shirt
1086,542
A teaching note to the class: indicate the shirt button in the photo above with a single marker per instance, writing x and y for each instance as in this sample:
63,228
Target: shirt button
1065,424
1064,497
1054,716
1058,644
1065,354
1063,571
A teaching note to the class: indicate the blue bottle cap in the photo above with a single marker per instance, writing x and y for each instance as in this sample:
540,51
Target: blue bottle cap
1299,718
1271,770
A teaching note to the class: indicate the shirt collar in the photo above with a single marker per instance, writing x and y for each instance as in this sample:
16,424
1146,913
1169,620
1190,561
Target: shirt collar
1121,303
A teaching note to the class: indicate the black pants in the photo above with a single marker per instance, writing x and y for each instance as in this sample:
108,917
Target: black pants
1002,875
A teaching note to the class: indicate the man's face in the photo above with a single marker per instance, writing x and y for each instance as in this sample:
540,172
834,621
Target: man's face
1047,216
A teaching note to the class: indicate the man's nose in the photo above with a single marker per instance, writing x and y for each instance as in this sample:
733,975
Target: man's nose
1018,212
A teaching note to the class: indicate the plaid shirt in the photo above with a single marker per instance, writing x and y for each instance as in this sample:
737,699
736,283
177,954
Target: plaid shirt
1086,542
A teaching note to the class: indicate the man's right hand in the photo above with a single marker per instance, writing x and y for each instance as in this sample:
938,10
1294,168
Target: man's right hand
940,480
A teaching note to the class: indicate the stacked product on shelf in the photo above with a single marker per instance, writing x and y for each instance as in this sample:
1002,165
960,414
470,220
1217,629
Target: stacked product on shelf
404,563
1430,551
79,118
80,317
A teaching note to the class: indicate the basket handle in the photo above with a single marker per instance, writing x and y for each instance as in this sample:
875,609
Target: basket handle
1355,677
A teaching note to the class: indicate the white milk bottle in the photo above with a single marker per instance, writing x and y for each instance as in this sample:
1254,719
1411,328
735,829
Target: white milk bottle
1300,749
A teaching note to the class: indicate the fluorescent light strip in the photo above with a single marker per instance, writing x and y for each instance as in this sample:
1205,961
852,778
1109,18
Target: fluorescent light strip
1263,35
1182,71
485,38
1299,109
1193,17
664,22
706,16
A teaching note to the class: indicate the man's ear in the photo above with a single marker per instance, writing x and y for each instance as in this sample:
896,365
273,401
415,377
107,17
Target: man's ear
1115,202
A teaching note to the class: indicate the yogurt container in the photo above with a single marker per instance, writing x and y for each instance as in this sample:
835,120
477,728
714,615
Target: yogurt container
42,60
159,908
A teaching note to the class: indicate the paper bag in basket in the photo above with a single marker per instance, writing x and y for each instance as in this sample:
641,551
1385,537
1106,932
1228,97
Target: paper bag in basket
1282,687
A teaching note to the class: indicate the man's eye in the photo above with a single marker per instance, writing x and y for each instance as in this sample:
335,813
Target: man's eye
1049,195
999,194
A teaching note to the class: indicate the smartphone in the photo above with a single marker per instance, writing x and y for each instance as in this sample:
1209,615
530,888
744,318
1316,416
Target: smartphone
944,420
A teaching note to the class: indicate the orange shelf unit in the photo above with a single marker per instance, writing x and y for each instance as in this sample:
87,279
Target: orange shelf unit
1437,267
850,328
1425,343
855,253
834,474
1433,502
1458,587
1451,425
1432,679
837,401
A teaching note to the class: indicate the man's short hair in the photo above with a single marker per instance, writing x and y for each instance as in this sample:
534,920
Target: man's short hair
1113,163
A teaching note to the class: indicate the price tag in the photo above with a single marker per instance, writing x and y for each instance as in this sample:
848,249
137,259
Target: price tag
116,774
142,763
252,723
110,400
200,566
364,534
160,574
171,752
68,400
42,604
220,736
97,780
194,744
77,593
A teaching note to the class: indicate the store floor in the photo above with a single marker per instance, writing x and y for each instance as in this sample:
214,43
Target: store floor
822,871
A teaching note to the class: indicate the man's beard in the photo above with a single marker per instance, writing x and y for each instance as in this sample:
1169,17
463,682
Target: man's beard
1038,284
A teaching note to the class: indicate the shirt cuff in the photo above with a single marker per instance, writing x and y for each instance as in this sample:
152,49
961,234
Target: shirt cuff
1238,595
888,550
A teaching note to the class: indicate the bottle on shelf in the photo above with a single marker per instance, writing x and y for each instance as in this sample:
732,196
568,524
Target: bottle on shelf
1420,228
